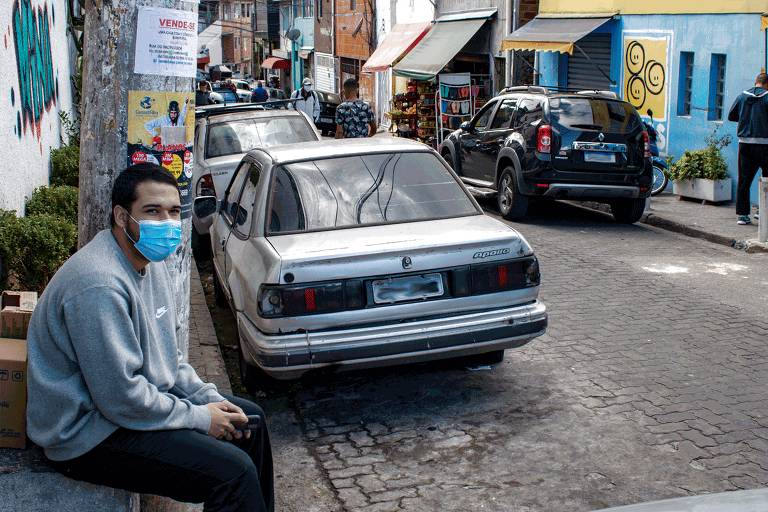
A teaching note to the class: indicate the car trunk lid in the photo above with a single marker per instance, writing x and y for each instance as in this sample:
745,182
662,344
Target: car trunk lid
393,249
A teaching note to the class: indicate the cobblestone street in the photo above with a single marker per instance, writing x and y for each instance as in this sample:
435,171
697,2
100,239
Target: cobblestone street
649,384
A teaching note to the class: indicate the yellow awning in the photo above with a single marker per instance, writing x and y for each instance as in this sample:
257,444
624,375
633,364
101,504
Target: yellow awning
552,34
765,21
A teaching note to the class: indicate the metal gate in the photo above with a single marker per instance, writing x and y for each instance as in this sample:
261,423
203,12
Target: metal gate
325,72
585,73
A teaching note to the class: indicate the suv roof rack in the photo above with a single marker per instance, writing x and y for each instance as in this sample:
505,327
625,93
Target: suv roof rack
555,89
524,88
607,94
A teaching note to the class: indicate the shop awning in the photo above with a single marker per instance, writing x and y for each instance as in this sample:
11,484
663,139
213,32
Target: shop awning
444,40
765,21
552,34
276,63
402,38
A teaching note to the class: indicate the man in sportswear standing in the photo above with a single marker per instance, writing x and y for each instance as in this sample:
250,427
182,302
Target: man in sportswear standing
750,110
307,100
110,399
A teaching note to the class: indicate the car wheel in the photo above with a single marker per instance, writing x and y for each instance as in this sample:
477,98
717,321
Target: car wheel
488,358
201,246
628,211
254,380
218,292
448,158
512,204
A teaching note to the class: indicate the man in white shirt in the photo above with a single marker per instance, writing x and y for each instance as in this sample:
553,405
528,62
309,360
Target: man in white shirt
307,100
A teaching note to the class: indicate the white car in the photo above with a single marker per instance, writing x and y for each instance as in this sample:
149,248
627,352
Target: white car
223,135
365,252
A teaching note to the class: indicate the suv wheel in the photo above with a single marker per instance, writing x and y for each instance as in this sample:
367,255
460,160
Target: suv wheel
448,158
628,211
512,204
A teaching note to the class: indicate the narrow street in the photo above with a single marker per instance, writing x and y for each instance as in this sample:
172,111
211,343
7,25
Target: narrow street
649,384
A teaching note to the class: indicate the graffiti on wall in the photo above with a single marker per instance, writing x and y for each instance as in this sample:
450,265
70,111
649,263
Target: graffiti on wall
38,87
646,79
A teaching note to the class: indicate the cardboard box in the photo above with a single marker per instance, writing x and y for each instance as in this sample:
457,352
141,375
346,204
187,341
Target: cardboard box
15,312
13,393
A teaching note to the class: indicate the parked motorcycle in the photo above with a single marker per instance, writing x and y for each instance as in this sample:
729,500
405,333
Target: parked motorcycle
660,177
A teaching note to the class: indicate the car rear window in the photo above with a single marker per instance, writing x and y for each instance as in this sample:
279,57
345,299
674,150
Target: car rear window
227,94
595,114
364,190
234,137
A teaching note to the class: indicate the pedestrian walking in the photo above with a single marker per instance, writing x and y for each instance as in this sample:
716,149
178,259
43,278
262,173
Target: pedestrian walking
259,94
354,117
750,110
307,100
203,94
111,401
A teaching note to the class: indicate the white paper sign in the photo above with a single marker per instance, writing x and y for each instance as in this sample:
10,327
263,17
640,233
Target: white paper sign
166,42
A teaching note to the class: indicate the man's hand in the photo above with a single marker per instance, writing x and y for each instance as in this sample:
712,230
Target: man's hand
223,417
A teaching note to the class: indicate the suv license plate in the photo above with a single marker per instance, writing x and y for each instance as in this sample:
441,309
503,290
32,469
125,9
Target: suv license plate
387,291
600,157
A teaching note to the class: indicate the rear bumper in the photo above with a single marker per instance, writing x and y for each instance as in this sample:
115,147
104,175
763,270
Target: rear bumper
577,191
289,356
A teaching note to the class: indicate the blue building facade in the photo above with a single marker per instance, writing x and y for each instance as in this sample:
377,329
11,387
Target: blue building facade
689,68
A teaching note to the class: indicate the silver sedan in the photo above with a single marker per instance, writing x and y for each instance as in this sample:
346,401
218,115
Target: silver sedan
362,253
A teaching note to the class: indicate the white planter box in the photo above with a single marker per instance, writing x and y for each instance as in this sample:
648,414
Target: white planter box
715,191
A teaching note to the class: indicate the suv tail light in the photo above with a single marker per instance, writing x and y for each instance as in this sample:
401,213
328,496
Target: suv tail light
646,145
205,186
544,139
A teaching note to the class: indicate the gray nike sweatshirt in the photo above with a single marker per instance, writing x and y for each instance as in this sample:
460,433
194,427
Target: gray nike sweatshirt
103,354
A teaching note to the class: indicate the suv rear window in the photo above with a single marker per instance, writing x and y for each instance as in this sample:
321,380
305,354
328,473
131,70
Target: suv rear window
234,137
363,190
595,114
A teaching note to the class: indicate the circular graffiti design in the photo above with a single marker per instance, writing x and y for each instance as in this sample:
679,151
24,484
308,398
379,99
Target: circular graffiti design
645,78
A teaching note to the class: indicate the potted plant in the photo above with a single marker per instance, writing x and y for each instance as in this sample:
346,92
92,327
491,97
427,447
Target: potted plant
703,173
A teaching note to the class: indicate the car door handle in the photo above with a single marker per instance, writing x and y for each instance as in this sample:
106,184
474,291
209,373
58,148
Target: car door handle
223,242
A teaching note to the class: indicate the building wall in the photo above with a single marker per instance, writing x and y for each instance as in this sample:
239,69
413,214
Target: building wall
738,36
653,6
414,11
29,123
354,29
210,38
323,26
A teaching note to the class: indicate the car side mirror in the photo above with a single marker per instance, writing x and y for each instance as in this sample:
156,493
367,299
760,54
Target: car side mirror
466,126
205,206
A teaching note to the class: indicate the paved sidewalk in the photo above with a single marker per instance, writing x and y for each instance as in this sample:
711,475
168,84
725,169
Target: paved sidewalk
204,353
713,222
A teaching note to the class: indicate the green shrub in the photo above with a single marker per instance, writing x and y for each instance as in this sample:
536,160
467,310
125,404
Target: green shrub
32,248
6,217
65,165
707,163
61,201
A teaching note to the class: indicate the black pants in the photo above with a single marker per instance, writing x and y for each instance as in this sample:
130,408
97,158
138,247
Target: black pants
751,157
185,465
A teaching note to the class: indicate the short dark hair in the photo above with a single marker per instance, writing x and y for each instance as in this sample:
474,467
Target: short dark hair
124,188
762,79
350,85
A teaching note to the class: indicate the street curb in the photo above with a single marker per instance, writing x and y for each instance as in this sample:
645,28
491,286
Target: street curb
749,246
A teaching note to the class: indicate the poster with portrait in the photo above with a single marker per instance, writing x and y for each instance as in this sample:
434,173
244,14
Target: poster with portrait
161,130
646,79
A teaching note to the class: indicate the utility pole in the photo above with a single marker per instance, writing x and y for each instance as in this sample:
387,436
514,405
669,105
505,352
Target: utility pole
109,69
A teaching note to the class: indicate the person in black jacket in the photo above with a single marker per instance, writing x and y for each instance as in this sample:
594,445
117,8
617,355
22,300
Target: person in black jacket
202,94
750,110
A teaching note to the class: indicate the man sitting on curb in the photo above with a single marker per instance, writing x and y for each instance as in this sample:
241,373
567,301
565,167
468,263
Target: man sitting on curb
750,110
110,399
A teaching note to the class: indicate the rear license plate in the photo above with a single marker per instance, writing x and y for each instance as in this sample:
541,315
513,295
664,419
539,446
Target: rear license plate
387,291
326,120
600,157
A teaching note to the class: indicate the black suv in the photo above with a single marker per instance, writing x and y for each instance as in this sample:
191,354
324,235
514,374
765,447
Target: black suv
532,142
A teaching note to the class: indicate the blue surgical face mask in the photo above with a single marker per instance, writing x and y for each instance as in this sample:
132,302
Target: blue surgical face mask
158,239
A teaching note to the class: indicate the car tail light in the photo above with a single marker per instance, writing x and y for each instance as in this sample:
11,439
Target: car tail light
205,186
646,145
544,139
510,275
277,301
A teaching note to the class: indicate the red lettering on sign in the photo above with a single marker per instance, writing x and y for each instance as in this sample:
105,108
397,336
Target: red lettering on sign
171,23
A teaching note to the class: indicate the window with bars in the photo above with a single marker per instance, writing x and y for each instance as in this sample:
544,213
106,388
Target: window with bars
319,9
352,5
685,87
716,87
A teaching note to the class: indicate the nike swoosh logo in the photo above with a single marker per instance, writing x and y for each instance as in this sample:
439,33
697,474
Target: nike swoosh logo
161,311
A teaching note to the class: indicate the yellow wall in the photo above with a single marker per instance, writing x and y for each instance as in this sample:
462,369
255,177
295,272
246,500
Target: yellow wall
653,6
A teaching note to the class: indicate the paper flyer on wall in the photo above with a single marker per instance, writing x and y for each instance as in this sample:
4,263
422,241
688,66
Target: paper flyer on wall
166,42
161,130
